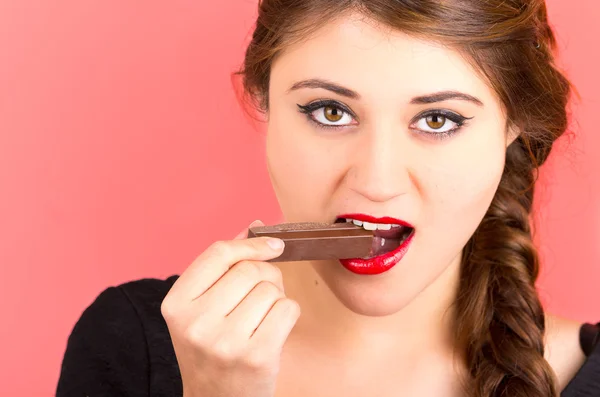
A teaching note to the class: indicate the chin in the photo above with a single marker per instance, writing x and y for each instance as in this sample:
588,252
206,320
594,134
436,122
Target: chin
373,304
374,296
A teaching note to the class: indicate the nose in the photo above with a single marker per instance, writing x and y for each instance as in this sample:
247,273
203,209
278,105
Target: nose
380,169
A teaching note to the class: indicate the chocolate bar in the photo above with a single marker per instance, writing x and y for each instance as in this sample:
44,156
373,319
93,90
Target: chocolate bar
318,241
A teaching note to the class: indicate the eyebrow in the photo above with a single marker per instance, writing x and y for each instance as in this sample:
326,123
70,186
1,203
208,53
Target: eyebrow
445,96
419,100
327,85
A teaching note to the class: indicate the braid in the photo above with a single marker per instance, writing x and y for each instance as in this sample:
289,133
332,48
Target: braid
500,322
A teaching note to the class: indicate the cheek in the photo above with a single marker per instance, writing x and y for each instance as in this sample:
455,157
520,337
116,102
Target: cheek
301,169
460,191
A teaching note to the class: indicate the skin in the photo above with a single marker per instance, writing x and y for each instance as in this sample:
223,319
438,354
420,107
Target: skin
388,334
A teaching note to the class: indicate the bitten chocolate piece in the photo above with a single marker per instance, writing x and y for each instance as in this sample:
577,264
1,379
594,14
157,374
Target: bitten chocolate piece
318,241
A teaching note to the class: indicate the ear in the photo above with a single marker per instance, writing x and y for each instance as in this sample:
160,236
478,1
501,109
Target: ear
512,133
247,103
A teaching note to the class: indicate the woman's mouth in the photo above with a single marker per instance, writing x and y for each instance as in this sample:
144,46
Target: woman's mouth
391,241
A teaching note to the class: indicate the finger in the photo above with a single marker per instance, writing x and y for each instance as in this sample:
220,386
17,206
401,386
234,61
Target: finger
251,311
275,328
244,233
216,260
235,285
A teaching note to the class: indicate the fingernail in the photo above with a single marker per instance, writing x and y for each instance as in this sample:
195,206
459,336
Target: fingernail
256,223
275,243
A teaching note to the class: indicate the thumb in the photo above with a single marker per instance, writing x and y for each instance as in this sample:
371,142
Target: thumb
244,233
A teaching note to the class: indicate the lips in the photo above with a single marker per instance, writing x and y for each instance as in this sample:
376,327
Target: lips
390,244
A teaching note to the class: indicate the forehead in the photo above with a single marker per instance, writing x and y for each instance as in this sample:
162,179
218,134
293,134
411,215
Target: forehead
377,61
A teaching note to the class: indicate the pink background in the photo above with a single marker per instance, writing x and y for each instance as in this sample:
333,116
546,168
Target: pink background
123,153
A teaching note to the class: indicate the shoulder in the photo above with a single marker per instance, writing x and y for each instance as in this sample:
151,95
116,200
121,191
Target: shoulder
131,308
563,350
146,295
573,351
108,351
131,302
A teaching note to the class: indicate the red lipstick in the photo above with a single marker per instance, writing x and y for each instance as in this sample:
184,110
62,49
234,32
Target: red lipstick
381,263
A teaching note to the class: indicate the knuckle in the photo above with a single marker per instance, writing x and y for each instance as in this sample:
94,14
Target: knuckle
167,309
224,351
221,248
275,273
258,360
196,335
268,290
248,269
256,243
294,307
289,306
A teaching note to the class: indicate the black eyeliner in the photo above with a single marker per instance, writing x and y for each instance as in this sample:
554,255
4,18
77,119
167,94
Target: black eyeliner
459,120
452,116
456,118
318,104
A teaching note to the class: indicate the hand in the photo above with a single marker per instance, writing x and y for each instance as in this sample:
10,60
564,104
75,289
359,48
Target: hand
229,318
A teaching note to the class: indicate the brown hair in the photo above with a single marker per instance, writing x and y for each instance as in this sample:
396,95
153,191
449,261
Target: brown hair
499,320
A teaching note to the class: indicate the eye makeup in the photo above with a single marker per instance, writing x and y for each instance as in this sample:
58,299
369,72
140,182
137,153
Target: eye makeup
431,116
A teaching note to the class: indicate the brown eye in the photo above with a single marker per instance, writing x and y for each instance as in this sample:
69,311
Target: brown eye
333,114
328,113
435,121
439,122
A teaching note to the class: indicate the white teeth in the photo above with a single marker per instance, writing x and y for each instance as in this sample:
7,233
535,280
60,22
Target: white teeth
369,226
384,226
372,226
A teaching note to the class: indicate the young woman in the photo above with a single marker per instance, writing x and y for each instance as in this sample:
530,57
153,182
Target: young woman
428,118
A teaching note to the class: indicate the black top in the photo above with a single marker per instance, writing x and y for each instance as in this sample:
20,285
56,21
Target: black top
121,347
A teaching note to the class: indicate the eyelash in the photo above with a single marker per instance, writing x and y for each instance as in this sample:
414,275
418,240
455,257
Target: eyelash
456,118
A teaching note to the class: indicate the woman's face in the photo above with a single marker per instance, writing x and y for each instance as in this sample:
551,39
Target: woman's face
410,131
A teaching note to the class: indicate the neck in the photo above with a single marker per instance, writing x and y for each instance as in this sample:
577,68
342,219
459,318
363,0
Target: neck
423,325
